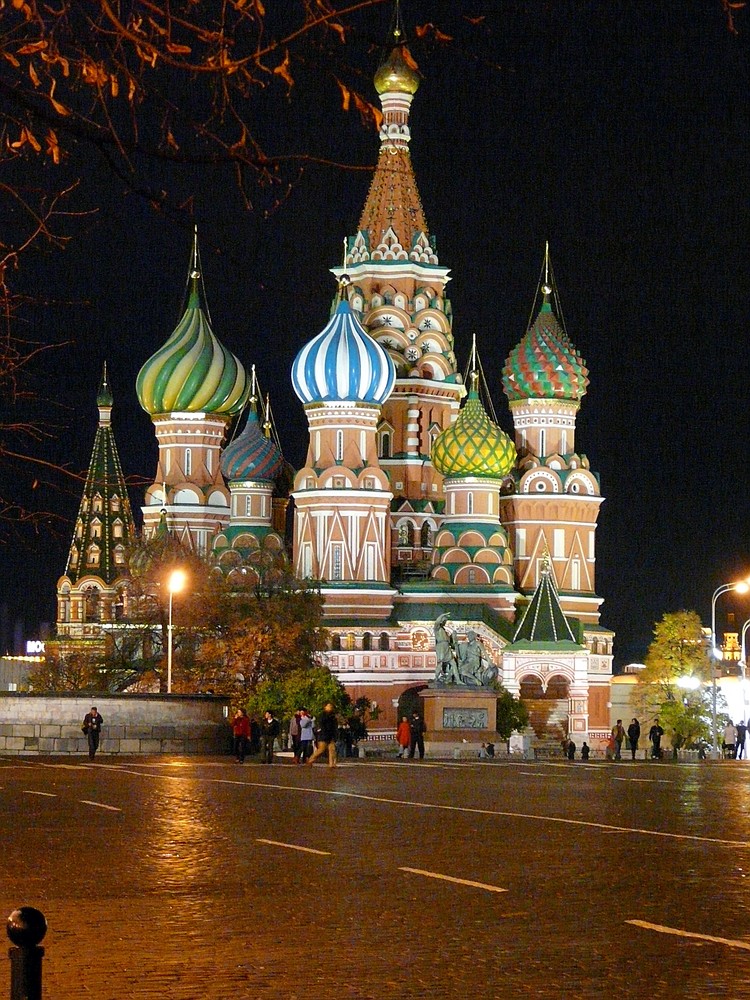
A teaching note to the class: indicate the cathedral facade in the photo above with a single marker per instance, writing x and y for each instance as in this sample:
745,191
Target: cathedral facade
412,502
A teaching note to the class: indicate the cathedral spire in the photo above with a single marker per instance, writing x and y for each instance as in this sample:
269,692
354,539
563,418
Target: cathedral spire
88,591
393,212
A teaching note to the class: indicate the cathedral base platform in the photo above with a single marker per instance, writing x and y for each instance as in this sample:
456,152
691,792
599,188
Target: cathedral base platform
459,716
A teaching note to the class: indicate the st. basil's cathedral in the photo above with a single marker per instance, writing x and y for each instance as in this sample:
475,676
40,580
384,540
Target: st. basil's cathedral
412,501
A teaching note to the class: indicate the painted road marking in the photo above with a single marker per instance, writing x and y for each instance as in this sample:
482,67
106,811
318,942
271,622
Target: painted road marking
47,795
450,878
292,847
536,774
100,805
661,929
646,781
410,804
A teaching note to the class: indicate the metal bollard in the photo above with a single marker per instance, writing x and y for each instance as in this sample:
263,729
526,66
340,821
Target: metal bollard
26,927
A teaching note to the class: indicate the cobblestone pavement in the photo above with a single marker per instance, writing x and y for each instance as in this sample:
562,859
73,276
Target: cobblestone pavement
201,878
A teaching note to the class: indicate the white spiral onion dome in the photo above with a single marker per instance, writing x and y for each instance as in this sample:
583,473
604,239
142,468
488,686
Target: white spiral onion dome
343,363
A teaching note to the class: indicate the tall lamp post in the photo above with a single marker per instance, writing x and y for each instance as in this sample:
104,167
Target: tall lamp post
743,670
741,588
175,584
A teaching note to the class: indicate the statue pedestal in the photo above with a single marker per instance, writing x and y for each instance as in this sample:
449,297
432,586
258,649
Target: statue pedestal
458,715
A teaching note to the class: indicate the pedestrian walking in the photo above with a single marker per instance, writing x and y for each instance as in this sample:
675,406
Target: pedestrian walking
295,731
655,734
240,734
329,730
305,735
585,750
741,735
269,730
618,735
417,729
403,737
730,739
570,750
92,727
634,734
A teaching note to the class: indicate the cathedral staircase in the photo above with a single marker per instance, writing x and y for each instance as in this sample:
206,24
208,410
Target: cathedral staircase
549,720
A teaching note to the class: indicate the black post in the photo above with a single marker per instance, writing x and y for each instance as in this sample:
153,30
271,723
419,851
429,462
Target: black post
26,927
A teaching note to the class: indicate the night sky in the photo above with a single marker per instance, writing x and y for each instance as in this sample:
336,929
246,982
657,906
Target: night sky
622,137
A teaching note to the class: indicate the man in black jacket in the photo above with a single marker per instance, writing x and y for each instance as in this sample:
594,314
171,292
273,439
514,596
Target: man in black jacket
417,730
92,727
329,730
270,729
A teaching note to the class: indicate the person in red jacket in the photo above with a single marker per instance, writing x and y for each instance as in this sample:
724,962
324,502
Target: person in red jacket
403,737
241,734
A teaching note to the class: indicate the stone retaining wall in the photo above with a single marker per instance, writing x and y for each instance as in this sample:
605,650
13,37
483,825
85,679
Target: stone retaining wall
133,724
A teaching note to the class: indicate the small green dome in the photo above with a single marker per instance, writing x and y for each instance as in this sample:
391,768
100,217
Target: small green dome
473,445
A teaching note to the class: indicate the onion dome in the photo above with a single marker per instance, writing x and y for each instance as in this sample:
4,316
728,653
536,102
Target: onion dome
193,372
545,364
252,455
397,74
473,445
343,363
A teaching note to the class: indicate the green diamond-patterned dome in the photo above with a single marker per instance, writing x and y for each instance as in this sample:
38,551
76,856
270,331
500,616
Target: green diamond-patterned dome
473,445
545,364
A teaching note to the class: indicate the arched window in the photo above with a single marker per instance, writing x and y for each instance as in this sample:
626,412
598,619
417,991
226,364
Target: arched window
426,535
406,534
351,641
367,640
384,641
339,446
188,462
385,445
335,641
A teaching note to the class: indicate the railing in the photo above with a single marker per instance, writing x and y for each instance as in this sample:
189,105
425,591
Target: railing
26,927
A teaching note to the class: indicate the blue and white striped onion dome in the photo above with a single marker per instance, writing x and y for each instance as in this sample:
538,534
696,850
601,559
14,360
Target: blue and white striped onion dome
343,363
252,456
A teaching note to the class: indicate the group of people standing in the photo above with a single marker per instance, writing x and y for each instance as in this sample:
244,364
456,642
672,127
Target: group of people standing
303,732
734,740
410,736
633,735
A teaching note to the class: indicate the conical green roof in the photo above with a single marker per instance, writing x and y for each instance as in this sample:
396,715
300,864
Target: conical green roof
104,526
544,624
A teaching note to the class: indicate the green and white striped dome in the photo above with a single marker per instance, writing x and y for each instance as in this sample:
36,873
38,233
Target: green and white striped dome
193,372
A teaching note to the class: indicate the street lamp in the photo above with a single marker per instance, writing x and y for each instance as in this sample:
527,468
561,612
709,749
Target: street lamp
741,588
175,584
743,670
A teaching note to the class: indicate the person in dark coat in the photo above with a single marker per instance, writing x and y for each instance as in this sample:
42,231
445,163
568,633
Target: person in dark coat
655,734
328,730
92,727
740,745
634,734
269,729
417,729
